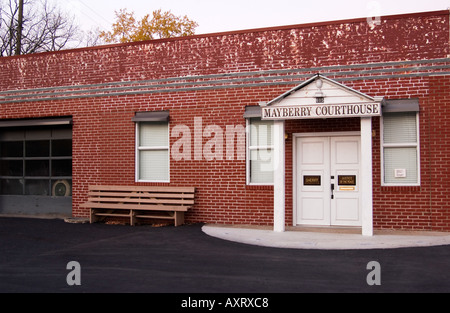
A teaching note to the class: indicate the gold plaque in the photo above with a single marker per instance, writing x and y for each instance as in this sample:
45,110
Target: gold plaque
312,180
347,180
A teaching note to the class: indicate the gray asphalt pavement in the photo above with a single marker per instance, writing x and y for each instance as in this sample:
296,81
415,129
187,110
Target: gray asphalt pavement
35,253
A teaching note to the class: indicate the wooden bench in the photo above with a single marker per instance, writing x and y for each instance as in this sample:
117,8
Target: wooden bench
139,202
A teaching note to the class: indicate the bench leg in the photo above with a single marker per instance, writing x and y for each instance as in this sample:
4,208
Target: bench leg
132,218
179,218
92,218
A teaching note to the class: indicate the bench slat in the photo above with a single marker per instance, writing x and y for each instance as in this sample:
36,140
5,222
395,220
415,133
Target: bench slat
137,207
136,201
143,195
144,188
155,216
112,214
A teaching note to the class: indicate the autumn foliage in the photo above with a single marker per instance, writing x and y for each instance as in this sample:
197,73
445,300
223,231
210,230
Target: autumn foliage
155,26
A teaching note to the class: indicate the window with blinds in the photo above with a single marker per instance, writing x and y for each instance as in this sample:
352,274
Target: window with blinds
400,149
152,152
260,152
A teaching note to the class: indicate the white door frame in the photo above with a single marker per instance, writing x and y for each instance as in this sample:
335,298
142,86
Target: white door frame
366,172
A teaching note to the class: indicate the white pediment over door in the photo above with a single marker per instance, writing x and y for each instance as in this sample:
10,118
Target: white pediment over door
321,97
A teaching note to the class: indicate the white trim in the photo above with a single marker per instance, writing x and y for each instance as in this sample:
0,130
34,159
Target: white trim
144,148
309,81
294,176
418,150
400,145
260,147
367,176
136,153
279,178
156,148
247,156
327,134
248,148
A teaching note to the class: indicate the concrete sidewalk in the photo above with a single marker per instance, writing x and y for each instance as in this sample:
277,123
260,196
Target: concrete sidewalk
337,239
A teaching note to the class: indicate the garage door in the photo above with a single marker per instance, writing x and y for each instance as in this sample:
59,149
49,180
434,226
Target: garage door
36,170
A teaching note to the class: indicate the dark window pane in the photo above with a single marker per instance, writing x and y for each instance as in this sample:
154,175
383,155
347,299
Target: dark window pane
40,148
37,168
11,186
62,168
62,188
11,148
11,168
37,187
62,147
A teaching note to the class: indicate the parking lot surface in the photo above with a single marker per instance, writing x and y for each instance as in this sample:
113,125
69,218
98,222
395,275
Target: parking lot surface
35,256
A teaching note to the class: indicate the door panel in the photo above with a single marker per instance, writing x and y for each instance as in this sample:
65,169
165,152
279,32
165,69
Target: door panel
346,210
315,208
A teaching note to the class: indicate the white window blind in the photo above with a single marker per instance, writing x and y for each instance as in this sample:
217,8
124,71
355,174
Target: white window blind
400,159
400,149
260,152
400,128
153,135
153,151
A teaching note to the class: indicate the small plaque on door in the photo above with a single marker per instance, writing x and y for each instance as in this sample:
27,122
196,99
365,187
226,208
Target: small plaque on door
312,180
347,180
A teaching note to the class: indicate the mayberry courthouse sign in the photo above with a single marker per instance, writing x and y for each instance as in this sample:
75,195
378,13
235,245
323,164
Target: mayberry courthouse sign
322,111
321,97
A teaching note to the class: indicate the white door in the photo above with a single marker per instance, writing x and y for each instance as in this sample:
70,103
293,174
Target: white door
345,168
313,181
328,178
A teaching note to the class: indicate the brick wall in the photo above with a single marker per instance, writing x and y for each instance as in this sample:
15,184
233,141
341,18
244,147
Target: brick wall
402,37
438,124
214,77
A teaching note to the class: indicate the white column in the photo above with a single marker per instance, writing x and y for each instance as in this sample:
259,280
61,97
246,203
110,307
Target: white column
366,176
279,178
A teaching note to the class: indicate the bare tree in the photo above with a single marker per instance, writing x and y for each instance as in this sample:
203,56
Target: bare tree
19,28
91,38
44,28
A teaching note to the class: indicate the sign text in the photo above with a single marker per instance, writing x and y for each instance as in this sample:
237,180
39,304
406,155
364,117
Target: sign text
321,111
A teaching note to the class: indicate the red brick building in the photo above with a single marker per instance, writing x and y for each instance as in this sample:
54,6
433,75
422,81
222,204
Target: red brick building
354,116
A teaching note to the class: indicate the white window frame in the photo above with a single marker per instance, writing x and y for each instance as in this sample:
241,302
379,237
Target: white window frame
250,148
156,148
400,145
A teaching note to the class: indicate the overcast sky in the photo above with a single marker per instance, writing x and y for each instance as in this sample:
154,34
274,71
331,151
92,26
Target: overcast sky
218,16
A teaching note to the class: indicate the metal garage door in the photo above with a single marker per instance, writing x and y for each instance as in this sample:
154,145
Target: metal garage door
36,170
